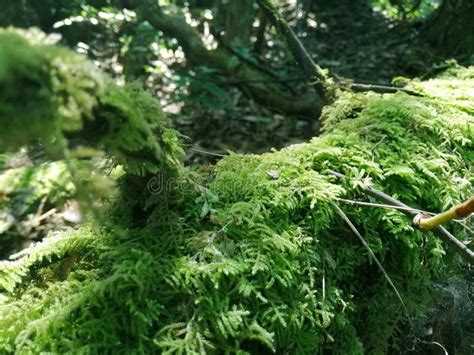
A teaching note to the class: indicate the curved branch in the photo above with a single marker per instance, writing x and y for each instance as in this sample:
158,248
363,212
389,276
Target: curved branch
309,67
196,53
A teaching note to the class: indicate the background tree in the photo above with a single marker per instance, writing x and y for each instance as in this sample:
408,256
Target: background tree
18,13
451,29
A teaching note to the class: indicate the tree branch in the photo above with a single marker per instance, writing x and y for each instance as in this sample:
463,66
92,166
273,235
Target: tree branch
440,231
309,67
196,53
381,89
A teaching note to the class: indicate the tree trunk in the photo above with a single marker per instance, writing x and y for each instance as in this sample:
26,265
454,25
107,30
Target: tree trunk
238,18
451,28
17,13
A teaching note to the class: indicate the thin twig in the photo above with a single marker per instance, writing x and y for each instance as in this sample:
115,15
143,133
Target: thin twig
208,153
381,89
387,277
463,224
41,206
370,204
440,231
45,215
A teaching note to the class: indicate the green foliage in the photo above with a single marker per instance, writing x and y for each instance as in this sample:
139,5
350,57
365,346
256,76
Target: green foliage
50,180
402,9
25,191
202,89
253,258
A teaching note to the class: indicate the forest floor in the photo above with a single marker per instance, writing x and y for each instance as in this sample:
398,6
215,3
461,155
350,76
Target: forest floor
366,46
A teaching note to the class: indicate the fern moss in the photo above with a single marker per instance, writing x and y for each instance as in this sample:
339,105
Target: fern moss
251,258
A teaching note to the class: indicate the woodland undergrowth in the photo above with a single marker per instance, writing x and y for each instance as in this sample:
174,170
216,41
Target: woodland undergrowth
247,256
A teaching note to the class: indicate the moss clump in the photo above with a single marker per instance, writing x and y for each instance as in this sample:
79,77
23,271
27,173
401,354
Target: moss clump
252,258
51,94
45,88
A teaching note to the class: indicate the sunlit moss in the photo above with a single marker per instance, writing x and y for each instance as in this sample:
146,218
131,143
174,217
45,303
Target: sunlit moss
251,257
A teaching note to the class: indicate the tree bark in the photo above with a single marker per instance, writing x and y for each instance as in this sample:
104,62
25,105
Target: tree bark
451,28
237,18
18,13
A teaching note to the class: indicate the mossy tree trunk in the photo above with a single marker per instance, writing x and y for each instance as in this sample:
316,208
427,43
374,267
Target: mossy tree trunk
451,28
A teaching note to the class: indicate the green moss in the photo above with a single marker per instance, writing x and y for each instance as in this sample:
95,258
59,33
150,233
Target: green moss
67,97
252,258
60,87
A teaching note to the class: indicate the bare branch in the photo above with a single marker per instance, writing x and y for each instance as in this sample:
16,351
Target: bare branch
309,67
440,231
271,96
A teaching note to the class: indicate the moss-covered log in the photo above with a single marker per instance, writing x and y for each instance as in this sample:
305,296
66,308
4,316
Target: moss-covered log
251,257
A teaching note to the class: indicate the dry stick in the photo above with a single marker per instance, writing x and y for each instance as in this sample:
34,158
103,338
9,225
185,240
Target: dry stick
463,224
372,254
370,204
440,231
200,151
381,89
387,277
309,67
